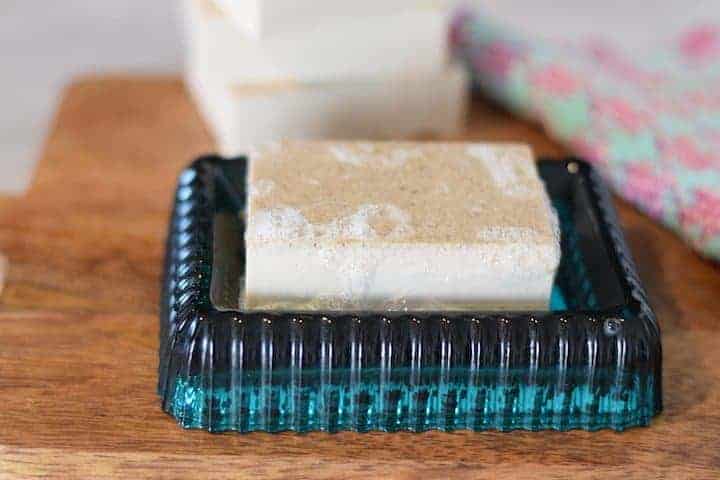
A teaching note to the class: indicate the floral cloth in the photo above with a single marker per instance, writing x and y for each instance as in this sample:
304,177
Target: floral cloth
651,124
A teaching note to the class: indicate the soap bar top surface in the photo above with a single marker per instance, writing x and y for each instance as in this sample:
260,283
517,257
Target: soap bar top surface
397,193
398,226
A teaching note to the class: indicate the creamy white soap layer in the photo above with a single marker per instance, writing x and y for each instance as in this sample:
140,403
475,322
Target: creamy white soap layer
407,40
398,226
401,106
268,18
399,278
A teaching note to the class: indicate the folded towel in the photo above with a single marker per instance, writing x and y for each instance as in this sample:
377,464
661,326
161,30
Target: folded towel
651,124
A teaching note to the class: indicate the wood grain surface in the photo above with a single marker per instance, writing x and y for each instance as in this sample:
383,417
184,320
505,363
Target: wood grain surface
79,327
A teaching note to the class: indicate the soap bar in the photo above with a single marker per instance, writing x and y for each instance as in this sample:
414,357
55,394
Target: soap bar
398,226
399,106
354,49
266,18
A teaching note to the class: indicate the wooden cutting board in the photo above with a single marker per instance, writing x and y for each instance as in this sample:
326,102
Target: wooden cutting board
79,327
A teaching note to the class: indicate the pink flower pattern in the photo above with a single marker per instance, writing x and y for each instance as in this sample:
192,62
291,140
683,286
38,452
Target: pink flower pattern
623,113
701,43
497,58
643,186
704,213
611,61
556,80
686,151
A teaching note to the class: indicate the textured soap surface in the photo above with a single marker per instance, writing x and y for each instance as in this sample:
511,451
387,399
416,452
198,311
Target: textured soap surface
398,226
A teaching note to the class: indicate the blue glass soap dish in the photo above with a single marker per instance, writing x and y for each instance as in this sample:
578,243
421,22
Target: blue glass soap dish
592,362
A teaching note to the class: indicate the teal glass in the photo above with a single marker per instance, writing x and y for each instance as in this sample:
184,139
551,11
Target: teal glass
592,362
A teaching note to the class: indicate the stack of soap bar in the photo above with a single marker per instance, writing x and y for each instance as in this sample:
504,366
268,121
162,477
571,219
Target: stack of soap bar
351,76
398,226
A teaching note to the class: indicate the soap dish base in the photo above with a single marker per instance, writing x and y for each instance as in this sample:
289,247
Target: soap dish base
594,362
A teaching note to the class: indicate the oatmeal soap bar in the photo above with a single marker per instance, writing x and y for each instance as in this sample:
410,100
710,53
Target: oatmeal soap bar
398,226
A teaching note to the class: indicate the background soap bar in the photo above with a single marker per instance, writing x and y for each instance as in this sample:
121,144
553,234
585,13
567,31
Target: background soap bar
395,226
356,48
387,108
266,18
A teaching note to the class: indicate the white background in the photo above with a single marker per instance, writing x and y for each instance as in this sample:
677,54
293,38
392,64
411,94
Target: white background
45,43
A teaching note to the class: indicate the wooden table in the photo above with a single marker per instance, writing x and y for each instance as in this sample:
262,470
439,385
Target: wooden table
79,327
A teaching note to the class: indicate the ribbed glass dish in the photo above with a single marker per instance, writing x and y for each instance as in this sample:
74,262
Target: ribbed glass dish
593,362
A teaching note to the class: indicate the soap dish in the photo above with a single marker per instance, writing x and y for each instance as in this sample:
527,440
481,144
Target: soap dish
592,362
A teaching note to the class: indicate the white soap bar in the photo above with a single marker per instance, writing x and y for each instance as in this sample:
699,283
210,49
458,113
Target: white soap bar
266,18
358,48
398,226
401,106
